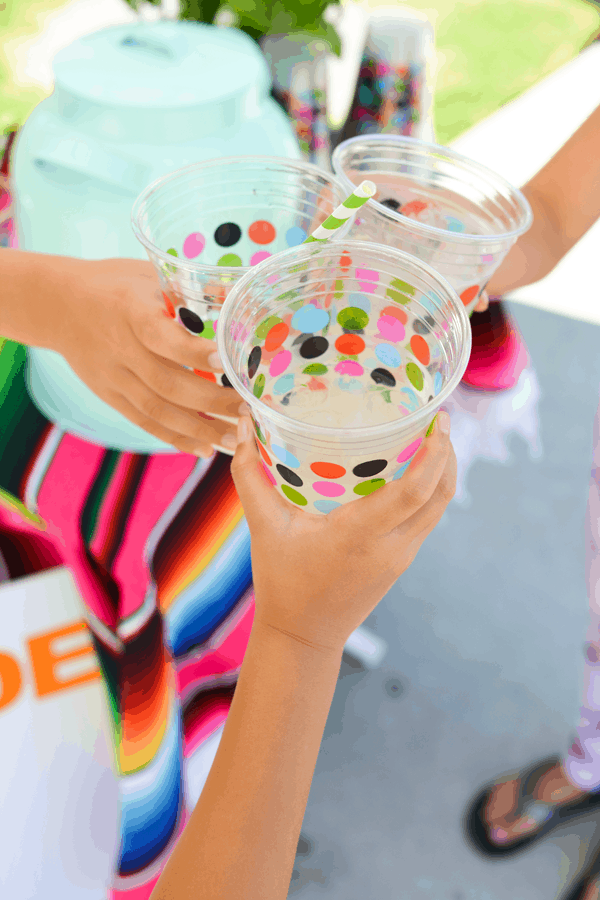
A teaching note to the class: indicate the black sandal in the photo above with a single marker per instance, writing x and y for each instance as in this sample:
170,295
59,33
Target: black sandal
588,878
548,815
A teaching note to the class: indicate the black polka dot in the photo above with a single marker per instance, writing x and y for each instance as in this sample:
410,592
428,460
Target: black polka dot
353,330
225,381
420,327
370,468
286,399
430,321
190,320
289,476
382,376
313,347
254,361
429,399
228,234
391,203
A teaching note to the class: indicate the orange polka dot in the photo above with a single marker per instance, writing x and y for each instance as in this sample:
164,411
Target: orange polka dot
413,208
327,470
469,294
350,344
345,260
396,313
261,232
420,348
169,305
276,336
264,454
418,456
210,376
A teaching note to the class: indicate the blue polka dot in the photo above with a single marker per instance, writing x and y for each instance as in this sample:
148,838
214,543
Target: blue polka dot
326,506
361,301
401,471
353,385
284,384
309,319
295,236
369,363
454,224
431,302
410,398
437,382
388,355
287,458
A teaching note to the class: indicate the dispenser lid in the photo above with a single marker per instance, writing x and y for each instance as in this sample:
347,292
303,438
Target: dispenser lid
165,64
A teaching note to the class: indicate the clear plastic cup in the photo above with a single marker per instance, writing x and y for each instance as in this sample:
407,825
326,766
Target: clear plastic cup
452,213
345,352
204,227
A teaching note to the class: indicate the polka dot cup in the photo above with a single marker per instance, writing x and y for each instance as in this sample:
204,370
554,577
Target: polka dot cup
345,352
450,212
204,226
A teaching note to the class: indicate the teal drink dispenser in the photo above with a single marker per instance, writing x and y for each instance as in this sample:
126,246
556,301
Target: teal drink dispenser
130,104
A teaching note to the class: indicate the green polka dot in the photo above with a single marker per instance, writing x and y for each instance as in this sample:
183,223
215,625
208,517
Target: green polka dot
293,495
266,325
259,433
230,259
403,286
367,487
259,386
339,289
315,369
415,376
288,295
431,426
353,318
209,330
172,251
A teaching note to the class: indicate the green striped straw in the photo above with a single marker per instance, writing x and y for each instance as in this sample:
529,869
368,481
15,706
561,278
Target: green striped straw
339,217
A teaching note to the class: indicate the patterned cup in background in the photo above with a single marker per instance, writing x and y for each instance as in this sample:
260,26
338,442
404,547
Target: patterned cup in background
345,352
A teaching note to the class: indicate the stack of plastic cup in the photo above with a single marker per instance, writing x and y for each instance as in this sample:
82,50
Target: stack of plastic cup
452,213
205,225
345,352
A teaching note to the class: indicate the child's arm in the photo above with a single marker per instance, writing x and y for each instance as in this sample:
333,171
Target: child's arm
565,198
316,579
107,318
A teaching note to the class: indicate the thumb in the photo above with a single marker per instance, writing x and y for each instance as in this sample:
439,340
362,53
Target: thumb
258,496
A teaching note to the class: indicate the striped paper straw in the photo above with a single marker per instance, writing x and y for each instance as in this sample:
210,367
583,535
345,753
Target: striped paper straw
339,217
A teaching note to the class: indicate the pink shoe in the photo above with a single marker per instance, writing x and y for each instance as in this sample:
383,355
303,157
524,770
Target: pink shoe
498,354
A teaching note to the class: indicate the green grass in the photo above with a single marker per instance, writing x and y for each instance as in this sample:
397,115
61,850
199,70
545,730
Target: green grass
489,52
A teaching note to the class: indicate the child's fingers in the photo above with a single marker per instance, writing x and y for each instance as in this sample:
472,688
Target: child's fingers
259,498
428,516
394,503
482,303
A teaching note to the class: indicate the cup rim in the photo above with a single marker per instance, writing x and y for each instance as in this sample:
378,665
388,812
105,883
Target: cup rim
430,230
187,264
416,418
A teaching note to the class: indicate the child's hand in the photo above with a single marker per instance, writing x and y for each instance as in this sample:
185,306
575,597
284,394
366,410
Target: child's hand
482,303
113,330
318,577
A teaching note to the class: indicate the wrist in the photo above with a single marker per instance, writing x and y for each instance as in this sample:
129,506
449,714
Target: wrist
265,631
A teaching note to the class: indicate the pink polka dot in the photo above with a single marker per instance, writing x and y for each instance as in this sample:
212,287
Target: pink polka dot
280,363
349,367
193,245
236,330
258,257
329,488
488,258
268,474
369,285
391,329
272,279
410,450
